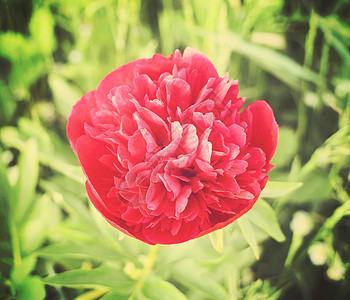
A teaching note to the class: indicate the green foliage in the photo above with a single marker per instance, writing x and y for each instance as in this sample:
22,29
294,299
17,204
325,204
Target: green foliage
64,94
102,276
158,289
263,216
192,276
249,234
50,236
26,182
278,189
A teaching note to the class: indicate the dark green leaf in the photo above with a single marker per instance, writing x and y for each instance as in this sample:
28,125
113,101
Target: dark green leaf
7,102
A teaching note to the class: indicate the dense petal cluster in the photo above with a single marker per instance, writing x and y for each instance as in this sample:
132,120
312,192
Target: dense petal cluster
167,154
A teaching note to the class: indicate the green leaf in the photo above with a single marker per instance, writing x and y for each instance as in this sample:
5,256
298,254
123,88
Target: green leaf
74,231
41,27
27,181
31,129
193,277
103,276
11,138
4,185
27,62
217,239
14,46
263,216
287,146
20,271
44,216
339,44
114,295
94,251
7,103
270,60
158,289
52,148
70,202
249,235
56,160
94,294
275,189
31,289
65,94
316,187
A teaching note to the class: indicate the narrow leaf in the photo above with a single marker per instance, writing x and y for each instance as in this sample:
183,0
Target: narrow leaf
44,215
100,277
193,277
263,216
275,189
287,146
283,67
249,235
27,181
113,295
80,251
158,289
4,184
70,202
217,239
65,94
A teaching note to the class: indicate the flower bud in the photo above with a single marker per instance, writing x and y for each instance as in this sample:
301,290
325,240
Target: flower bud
301,223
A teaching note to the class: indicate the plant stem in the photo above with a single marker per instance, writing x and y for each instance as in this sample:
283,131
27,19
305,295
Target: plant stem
151,258
15,243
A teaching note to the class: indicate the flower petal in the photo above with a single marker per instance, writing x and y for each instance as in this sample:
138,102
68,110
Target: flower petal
124,75
200,62
111,219
263,130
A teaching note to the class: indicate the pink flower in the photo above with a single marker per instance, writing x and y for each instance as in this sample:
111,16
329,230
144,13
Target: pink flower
167,155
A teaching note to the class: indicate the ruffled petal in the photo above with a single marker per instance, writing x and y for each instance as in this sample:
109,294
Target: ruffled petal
124,75
200,62
167,155
111,219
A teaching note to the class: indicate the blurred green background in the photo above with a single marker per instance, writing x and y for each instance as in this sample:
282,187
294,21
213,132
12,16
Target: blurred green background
294,243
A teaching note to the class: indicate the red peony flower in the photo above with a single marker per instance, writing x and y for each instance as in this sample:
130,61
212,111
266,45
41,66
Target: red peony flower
167,155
